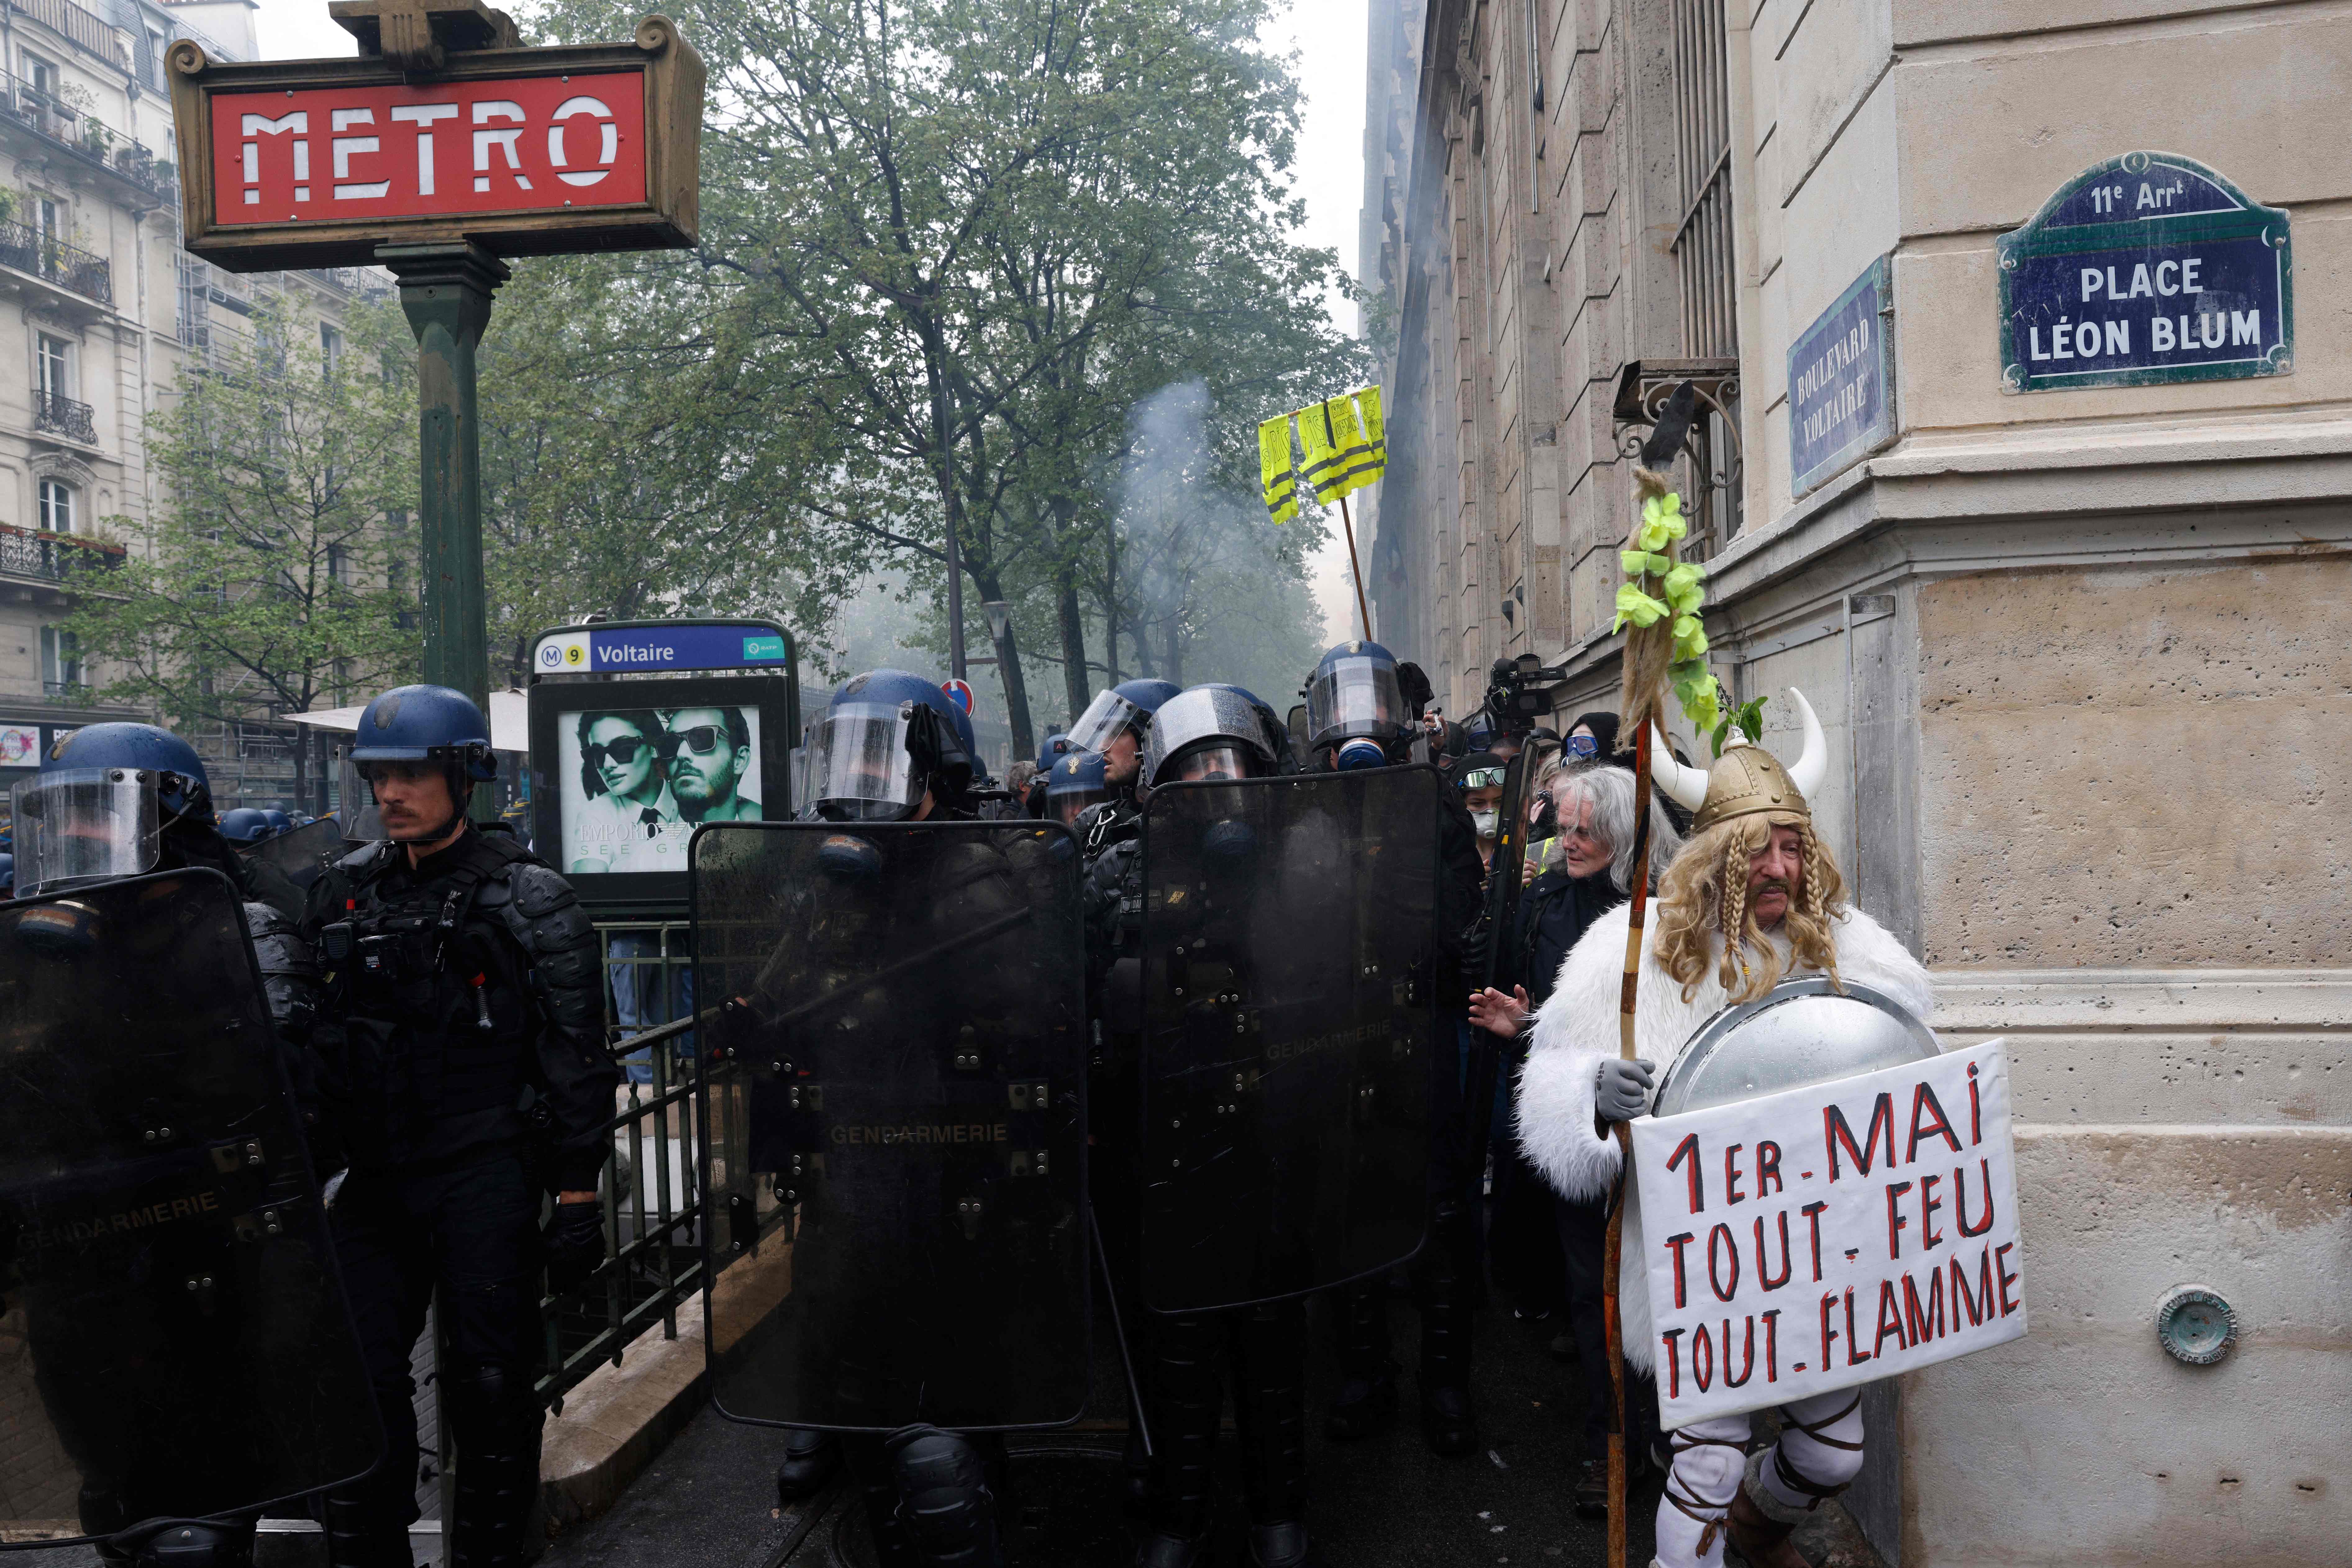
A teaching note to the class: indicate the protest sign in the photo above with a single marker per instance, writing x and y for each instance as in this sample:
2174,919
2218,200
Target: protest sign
1821,1237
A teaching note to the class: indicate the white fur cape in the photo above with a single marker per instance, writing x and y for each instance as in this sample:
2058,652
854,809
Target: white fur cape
1577,1027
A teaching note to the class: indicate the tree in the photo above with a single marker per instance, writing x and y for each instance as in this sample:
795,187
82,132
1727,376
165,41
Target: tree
951,242
277,573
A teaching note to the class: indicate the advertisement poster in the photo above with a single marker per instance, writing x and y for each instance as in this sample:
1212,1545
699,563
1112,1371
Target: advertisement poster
635,781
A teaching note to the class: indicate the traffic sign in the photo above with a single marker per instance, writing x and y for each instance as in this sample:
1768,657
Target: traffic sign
959,693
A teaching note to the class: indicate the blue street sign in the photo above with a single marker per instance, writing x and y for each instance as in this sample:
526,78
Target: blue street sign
2149,268
661,645
1842,382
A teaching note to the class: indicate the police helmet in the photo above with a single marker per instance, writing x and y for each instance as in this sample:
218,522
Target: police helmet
1355,705
245,826
1130,705
1075,782
278,821
8,875
98,807
1057,745
888,736
426,723
1207,733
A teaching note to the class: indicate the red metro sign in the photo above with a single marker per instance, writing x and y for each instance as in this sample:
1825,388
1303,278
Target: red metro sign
370,153
316,163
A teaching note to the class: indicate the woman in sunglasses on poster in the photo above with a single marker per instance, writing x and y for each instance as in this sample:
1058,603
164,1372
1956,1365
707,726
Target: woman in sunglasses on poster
631,814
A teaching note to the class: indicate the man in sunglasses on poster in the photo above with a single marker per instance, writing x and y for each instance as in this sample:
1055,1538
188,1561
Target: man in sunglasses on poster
710,749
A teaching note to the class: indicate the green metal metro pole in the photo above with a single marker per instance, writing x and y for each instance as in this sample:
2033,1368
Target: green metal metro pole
444,291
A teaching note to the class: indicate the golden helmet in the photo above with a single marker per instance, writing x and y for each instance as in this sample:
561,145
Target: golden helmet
1747,779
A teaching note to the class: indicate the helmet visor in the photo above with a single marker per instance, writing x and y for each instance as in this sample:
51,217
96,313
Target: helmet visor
85,824
1220,760
1106,717
1070,804
859,767
1351,697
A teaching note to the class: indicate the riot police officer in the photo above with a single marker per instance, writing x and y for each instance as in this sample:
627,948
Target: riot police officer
115,801
1358,717
1205,734
463,1073
891,748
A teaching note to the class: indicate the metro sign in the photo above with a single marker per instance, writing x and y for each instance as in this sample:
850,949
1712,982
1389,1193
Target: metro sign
522,152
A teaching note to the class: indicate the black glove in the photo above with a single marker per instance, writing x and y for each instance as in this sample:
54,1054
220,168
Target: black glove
575,1244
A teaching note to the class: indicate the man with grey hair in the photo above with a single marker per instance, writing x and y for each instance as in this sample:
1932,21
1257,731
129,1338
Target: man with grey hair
1586,873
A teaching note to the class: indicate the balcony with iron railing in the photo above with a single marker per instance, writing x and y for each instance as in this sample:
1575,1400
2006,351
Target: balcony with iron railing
83,29
52,557
83,134
70,267
56,414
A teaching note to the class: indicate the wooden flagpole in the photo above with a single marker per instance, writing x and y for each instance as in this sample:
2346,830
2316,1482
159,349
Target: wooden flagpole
1348,523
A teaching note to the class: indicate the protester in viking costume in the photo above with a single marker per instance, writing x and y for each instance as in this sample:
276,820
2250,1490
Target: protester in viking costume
1752,898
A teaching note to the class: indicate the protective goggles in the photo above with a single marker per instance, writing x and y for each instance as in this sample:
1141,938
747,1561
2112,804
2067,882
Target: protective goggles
1482,778
85,824
1584,746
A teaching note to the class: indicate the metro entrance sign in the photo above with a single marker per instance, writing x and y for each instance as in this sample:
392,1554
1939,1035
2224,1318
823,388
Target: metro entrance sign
520,152
443,148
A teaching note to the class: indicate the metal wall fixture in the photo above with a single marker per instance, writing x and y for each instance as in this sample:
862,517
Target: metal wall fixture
2195,1326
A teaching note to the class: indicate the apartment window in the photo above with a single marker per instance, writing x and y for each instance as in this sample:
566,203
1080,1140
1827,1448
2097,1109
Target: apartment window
339,565
330,346
52,367
1706,261
56,506
60,660
43,76
156,46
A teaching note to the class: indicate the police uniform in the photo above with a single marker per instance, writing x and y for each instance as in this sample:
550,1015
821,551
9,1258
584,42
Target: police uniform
463,1074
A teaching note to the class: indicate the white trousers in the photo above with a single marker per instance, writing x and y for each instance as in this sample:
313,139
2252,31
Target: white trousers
1819,1451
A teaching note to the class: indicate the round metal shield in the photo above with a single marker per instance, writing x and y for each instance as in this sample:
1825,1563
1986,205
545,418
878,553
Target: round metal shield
1801,1032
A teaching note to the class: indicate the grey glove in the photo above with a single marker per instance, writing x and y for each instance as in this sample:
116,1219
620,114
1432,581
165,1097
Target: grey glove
1620,1092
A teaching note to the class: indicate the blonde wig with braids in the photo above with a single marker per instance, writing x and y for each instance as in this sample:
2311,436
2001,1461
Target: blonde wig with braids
1704,895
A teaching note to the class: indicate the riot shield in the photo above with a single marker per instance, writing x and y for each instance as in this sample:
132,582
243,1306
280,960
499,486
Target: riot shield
182,1344
1289,929
302,853
894,1129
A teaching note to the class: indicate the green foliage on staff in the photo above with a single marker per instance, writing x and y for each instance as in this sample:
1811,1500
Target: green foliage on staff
1660,588
277,573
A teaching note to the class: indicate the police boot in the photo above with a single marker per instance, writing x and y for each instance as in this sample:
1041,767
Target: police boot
944,1498
356,1539
1186,1399
810,1459
877,1490
1448,1421
1368,1393
190,1546
496,1421
1270,1408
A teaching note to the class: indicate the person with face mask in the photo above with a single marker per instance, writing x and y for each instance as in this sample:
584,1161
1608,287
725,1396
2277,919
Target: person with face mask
463,1070
1478,778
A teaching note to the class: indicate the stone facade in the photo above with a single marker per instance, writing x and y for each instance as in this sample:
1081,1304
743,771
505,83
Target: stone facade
2081,654
103,310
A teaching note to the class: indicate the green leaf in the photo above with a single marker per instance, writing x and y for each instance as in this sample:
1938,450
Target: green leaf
1635,605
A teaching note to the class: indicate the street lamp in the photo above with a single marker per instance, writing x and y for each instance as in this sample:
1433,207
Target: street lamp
1000,615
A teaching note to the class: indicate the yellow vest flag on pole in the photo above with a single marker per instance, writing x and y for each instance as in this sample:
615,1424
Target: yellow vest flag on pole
1346,445
1273,463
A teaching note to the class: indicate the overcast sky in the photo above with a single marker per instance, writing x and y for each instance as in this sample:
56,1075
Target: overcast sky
1330,161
